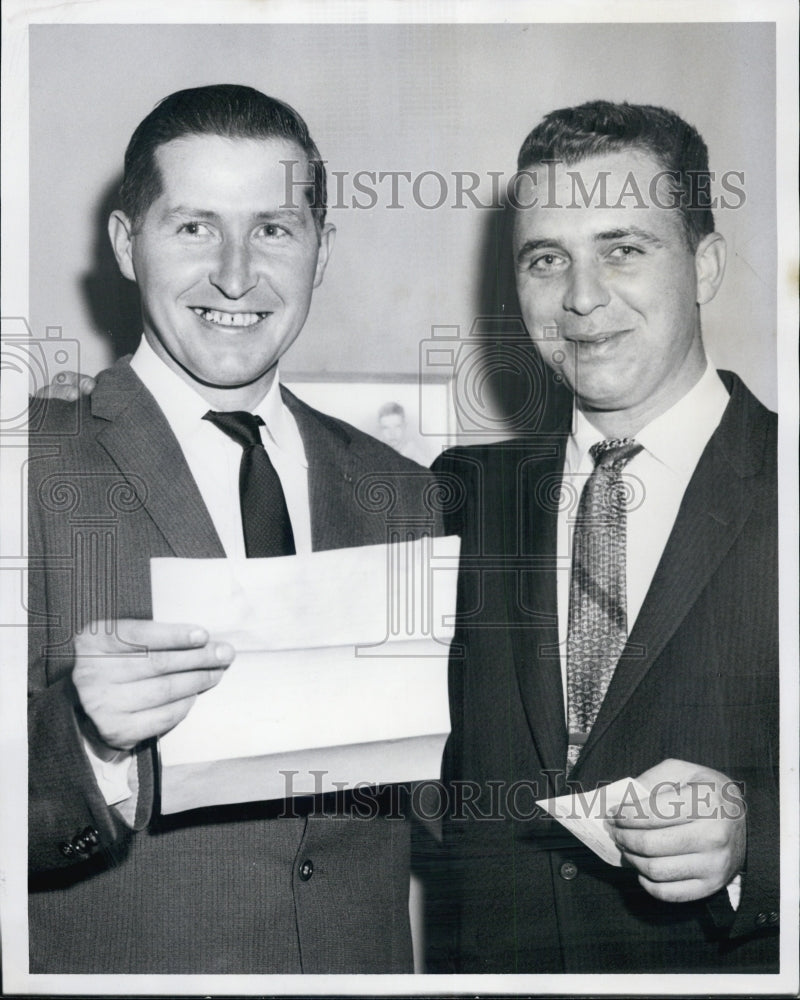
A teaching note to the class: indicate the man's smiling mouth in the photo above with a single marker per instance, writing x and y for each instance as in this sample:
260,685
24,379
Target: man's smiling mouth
589,342
235,319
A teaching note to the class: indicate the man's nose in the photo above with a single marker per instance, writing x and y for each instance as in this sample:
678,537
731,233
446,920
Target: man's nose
233,272
586,289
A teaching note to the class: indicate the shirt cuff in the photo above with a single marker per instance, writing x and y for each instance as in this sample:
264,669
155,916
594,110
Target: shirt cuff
112,776
735,891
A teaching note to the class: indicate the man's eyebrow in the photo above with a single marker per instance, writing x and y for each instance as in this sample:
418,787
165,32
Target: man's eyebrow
187,211
279,214
635,231
532,246
206,215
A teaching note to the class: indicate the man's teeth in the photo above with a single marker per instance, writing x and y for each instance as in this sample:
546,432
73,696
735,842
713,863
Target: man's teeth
230,319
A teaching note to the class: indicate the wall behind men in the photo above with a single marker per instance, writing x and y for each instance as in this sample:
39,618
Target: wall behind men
414,98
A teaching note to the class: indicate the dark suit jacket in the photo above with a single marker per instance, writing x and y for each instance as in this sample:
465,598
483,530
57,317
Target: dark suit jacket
698,681
214,890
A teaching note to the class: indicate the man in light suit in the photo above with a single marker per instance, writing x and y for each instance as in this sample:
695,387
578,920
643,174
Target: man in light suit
652,656
226,265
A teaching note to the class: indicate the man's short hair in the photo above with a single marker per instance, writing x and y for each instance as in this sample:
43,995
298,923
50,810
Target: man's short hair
573,134
224,109
391,410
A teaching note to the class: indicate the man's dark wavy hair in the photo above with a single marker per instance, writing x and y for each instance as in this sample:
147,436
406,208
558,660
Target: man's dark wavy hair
223,109
598,127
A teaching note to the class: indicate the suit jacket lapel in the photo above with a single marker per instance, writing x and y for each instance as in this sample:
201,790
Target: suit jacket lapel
536,652
715,507
332,470
141,444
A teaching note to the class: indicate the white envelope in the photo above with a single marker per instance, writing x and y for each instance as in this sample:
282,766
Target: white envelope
340,677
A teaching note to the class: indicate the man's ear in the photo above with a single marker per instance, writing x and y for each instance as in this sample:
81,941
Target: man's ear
326,240
709,262
120,232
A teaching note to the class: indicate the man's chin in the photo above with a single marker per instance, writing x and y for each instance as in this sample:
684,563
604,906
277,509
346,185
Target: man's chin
221,380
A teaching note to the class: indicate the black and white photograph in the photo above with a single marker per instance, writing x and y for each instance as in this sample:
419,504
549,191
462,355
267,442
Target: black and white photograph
399,470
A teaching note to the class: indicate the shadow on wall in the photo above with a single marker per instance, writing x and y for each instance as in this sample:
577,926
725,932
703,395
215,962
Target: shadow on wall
517,387
112,300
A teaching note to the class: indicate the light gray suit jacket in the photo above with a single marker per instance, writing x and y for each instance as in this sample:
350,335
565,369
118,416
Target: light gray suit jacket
213,890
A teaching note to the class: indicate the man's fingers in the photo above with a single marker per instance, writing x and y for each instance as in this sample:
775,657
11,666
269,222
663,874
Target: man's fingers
675,868
68,386
68,380
662,842
144,725
702,835
684,891
113,671
160,635
137,678
53,390
659,810
713,797
173,661
145,708
153,692
137,635
65,385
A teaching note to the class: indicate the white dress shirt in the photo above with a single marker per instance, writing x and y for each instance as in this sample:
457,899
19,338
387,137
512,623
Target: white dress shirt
214,459
656,479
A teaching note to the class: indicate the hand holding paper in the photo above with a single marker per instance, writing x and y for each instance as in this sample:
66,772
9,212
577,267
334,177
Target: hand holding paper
586,814
137,679
689,841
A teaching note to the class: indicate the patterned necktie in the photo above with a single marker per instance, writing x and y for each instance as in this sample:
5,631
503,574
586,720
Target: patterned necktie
597,627
265,519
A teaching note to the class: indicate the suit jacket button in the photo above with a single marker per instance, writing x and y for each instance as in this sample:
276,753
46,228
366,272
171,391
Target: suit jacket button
66,849
568,871
306,870
91,836
761,919
772,918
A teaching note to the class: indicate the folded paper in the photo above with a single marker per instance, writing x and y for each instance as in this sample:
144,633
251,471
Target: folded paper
340,675
585,814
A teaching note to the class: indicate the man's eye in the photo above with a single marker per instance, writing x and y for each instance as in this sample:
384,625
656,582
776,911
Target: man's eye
547,262
194,229
625,252
271,231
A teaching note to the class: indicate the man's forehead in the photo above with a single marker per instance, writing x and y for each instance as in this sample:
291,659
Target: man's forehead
607,194
208,173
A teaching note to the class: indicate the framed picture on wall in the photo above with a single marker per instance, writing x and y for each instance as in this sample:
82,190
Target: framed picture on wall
415,417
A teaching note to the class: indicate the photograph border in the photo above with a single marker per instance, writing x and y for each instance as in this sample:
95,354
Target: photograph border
17,17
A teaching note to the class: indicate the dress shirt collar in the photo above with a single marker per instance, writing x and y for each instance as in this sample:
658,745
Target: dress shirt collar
184,408
676,438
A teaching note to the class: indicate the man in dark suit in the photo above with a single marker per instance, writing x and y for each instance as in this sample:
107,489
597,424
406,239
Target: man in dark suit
149,465
618,604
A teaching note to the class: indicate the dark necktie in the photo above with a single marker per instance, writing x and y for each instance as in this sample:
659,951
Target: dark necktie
265,519
597,627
